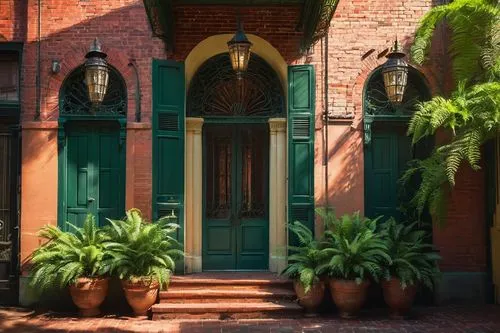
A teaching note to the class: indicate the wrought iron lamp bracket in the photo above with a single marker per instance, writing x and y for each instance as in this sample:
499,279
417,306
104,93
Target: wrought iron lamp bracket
367,124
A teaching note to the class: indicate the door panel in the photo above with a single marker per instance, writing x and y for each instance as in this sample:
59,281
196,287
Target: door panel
386,159
219,239
94,181
9,177
382,175
236,194
108,198
79,172
252,201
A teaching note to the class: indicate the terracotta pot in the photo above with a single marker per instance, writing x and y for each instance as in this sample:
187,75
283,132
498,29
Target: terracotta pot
398,299
348,296
311,300
88,294
140,296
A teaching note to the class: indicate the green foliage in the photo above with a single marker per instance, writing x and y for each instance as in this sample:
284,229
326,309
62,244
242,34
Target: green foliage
433,190
474,43
472,112
353,248
143,252
67,256
413,260
305,258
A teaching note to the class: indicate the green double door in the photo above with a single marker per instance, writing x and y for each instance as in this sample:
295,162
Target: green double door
93,174
236,187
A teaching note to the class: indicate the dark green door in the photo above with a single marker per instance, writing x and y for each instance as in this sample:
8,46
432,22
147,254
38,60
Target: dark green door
386,159
9,227
93,177
236,222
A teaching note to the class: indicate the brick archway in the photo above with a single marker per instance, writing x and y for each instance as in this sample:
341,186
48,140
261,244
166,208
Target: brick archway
72,60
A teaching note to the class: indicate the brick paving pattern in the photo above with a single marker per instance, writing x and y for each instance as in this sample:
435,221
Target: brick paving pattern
463,319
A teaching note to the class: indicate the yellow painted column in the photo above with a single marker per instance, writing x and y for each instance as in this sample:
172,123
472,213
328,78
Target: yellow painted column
193,200
277,195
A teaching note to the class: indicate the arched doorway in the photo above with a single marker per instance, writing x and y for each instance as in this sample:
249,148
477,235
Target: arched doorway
387,148
236,145
92,151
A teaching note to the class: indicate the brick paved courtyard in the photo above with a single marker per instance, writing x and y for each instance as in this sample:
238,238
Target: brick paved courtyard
471,319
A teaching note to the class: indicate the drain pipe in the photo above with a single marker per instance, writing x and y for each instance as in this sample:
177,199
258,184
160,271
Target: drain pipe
325,120
138,96
38,64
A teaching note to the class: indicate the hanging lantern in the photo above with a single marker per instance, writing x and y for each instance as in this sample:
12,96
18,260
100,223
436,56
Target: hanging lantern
96,73
239,51
395,74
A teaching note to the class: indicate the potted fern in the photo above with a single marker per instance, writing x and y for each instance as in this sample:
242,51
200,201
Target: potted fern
302,268
143,256
354,254
413,263
75,260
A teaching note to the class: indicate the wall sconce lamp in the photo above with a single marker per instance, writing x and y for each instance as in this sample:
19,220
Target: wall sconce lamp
96,73
239,51
56,66
395,74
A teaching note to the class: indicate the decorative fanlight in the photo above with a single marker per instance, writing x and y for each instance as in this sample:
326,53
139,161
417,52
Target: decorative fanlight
96,73
395,74
239,51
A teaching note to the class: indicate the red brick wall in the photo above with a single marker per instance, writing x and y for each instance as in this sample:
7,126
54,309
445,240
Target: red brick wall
276,24
361,29
12,20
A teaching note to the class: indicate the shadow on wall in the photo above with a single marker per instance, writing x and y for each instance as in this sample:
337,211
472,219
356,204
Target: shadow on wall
345,168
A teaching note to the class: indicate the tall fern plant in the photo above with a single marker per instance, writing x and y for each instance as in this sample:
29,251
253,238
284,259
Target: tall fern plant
472,112
413,260
353,248
67,256
143,252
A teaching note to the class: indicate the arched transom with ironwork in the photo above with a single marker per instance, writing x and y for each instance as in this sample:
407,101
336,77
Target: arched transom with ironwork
377,106
215,91
377,103
74,99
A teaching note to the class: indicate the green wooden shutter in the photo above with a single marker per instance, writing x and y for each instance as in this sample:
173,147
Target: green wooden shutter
301,98
168,141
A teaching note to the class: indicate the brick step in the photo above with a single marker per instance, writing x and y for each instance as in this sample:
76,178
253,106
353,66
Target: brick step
185,281
224,310
229,295
229,287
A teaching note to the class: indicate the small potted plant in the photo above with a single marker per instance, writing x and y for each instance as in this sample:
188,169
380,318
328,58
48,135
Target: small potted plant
413,263
302,268
143,256
74,260
354,254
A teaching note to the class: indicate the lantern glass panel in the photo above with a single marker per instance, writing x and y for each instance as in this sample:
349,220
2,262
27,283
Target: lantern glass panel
395,80
97,77
240,55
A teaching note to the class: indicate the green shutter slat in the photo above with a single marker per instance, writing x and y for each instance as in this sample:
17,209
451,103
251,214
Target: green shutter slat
301,100
168,141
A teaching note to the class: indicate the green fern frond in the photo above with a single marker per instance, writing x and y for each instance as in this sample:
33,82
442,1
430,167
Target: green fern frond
142,250
67,256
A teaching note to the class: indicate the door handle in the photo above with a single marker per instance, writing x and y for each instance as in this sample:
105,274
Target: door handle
91,199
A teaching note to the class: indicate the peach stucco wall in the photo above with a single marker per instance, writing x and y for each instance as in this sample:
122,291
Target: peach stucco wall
38,182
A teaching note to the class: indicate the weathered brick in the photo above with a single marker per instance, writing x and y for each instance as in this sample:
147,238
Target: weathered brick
358,27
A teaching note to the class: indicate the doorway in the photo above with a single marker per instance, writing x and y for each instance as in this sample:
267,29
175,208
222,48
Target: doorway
236,191
386,159
93,173
9,207
388,148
